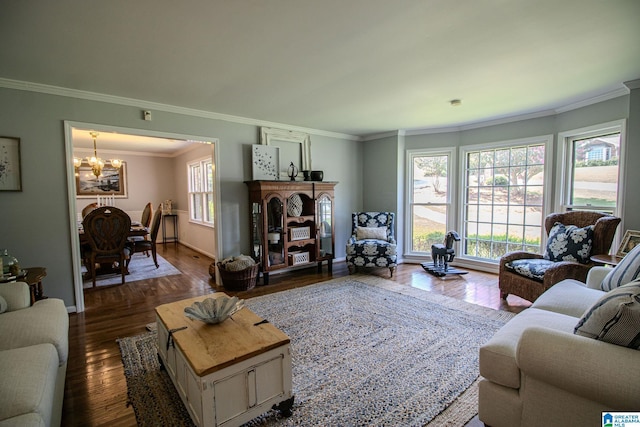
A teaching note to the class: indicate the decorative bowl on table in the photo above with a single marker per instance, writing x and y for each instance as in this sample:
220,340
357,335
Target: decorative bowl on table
214,310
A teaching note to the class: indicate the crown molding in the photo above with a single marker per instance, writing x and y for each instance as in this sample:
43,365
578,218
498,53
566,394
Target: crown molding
131,102
622,91
528,116
632,84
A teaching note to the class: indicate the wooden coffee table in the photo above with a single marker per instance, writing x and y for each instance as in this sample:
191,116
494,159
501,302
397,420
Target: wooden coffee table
228,373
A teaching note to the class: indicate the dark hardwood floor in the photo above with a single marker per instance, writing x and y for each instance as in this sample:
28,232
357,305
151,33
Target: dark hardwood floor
96,390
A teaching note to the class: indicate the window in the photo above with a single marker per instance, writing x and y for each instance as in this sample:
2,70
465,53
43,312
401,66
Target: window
590,168
429,187
201,191
504,193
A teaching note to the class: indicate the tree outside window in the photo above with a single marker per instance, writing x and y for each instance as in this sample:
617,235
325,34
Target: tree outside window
503,200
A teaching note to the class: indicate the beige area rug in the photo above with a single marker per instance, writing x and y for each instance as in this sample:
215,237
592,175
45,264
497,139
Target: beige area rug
141,267
366,351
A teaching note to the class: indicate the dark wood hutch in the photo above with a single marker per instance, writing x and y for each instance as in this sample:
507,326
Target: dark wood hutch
291,224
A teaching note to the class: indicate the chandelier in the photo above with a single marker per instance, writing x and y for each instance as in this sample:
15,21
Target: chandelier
96,163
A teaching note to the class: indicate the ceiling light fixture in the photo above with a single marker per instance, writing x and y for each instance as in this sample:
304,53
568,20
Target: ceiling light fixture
455,102
96,163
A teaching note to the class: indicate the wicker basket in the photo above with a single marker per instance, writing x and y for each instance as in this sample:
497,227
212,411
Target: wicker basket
242,280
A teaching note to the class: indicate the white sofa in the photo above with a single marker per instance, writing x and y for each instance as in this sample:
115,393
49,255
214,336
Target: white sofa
34,346
535,371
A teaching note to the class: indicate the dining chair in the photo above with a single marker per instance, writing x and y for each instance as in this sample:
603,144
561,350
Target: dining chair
147,245
90,207
145,220
106,229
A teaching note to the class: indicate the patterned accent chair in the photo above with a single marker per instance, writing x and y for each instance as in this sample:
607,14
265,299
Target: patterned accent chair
372,242
573,237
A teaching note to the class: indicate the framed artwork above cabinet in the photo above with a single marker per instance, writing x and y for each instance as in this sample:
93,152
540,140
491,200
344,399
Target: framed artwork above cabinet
292,147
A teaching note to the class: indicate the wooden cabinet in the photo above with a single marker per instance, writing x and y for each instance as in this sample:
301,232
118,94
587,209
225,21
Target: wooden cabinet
291,224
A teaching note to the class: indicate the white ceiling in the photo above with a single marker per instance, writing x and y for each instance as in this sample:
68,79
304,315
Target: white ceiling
116,142
357,67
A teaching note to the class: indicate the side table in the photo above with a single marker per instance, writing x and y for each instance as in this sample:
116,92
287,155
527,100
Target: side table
174,238
34,280
606,259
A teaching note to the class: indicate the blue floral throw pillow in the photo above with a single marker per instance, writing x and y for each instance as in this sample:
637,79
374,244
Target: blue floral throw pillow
569,243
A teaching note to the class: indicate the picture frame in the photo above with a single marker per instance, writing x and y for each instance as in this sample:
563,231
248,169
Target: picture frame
265,162
112,182
630,240
10,171
293,147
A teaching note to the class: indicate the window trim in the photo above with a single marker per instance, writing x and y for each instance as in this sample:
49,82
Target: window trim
565,160
452,177
200,161
547,140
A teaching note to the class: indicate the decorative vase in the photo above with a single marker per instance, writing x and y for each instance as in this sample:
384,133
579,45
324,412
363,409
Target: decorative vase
317,175
8,262
306,175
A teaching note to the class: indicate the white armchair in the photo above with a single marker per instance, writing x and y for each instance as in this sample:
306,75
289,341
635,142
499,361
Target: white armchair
536,371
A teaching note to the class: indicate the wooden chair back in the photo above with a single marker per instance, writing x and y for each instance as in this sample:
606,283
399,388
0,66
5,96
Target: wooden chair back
155,225
146,215
107,229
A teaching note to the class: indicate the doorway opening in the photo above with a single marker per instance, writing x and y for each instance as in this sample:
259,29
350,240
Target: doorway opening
153,171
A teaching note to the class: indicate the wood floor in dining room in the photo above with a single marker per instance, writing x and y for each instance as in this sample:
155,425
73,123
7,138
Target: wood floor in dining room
96,389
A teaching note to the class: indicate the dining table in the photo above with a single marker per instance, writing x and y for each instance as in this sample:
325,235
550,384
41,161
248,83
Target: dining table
137,229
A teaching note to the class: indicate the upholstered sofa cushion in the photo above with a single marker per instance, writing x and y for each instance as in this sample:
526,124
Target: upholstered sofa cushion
47,321
615,317
626,271
498,356
569,243
16,295
28,383
569,297
376,233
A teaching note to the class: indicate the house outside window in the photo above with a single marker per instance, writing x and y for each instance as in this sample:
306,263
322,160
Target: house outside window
200,177
590,168
430,184
503,197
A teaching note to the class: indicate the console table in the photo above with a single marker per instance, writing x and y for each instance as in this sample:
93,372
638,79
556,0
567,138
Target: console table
174,238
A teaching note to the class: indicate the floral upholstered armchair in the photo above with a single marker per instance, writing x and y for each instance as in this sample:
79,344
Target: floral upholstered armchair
372,242
573,237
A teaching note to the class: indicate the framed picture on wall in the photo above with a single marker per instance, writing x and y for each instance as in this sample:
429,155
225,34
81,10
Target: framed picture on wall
112,181
10,179
630,240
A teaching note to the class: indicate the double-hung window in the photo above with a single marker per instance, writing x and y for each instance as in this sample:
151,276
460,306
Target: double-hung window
590,168
503,197
430,183
201,191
